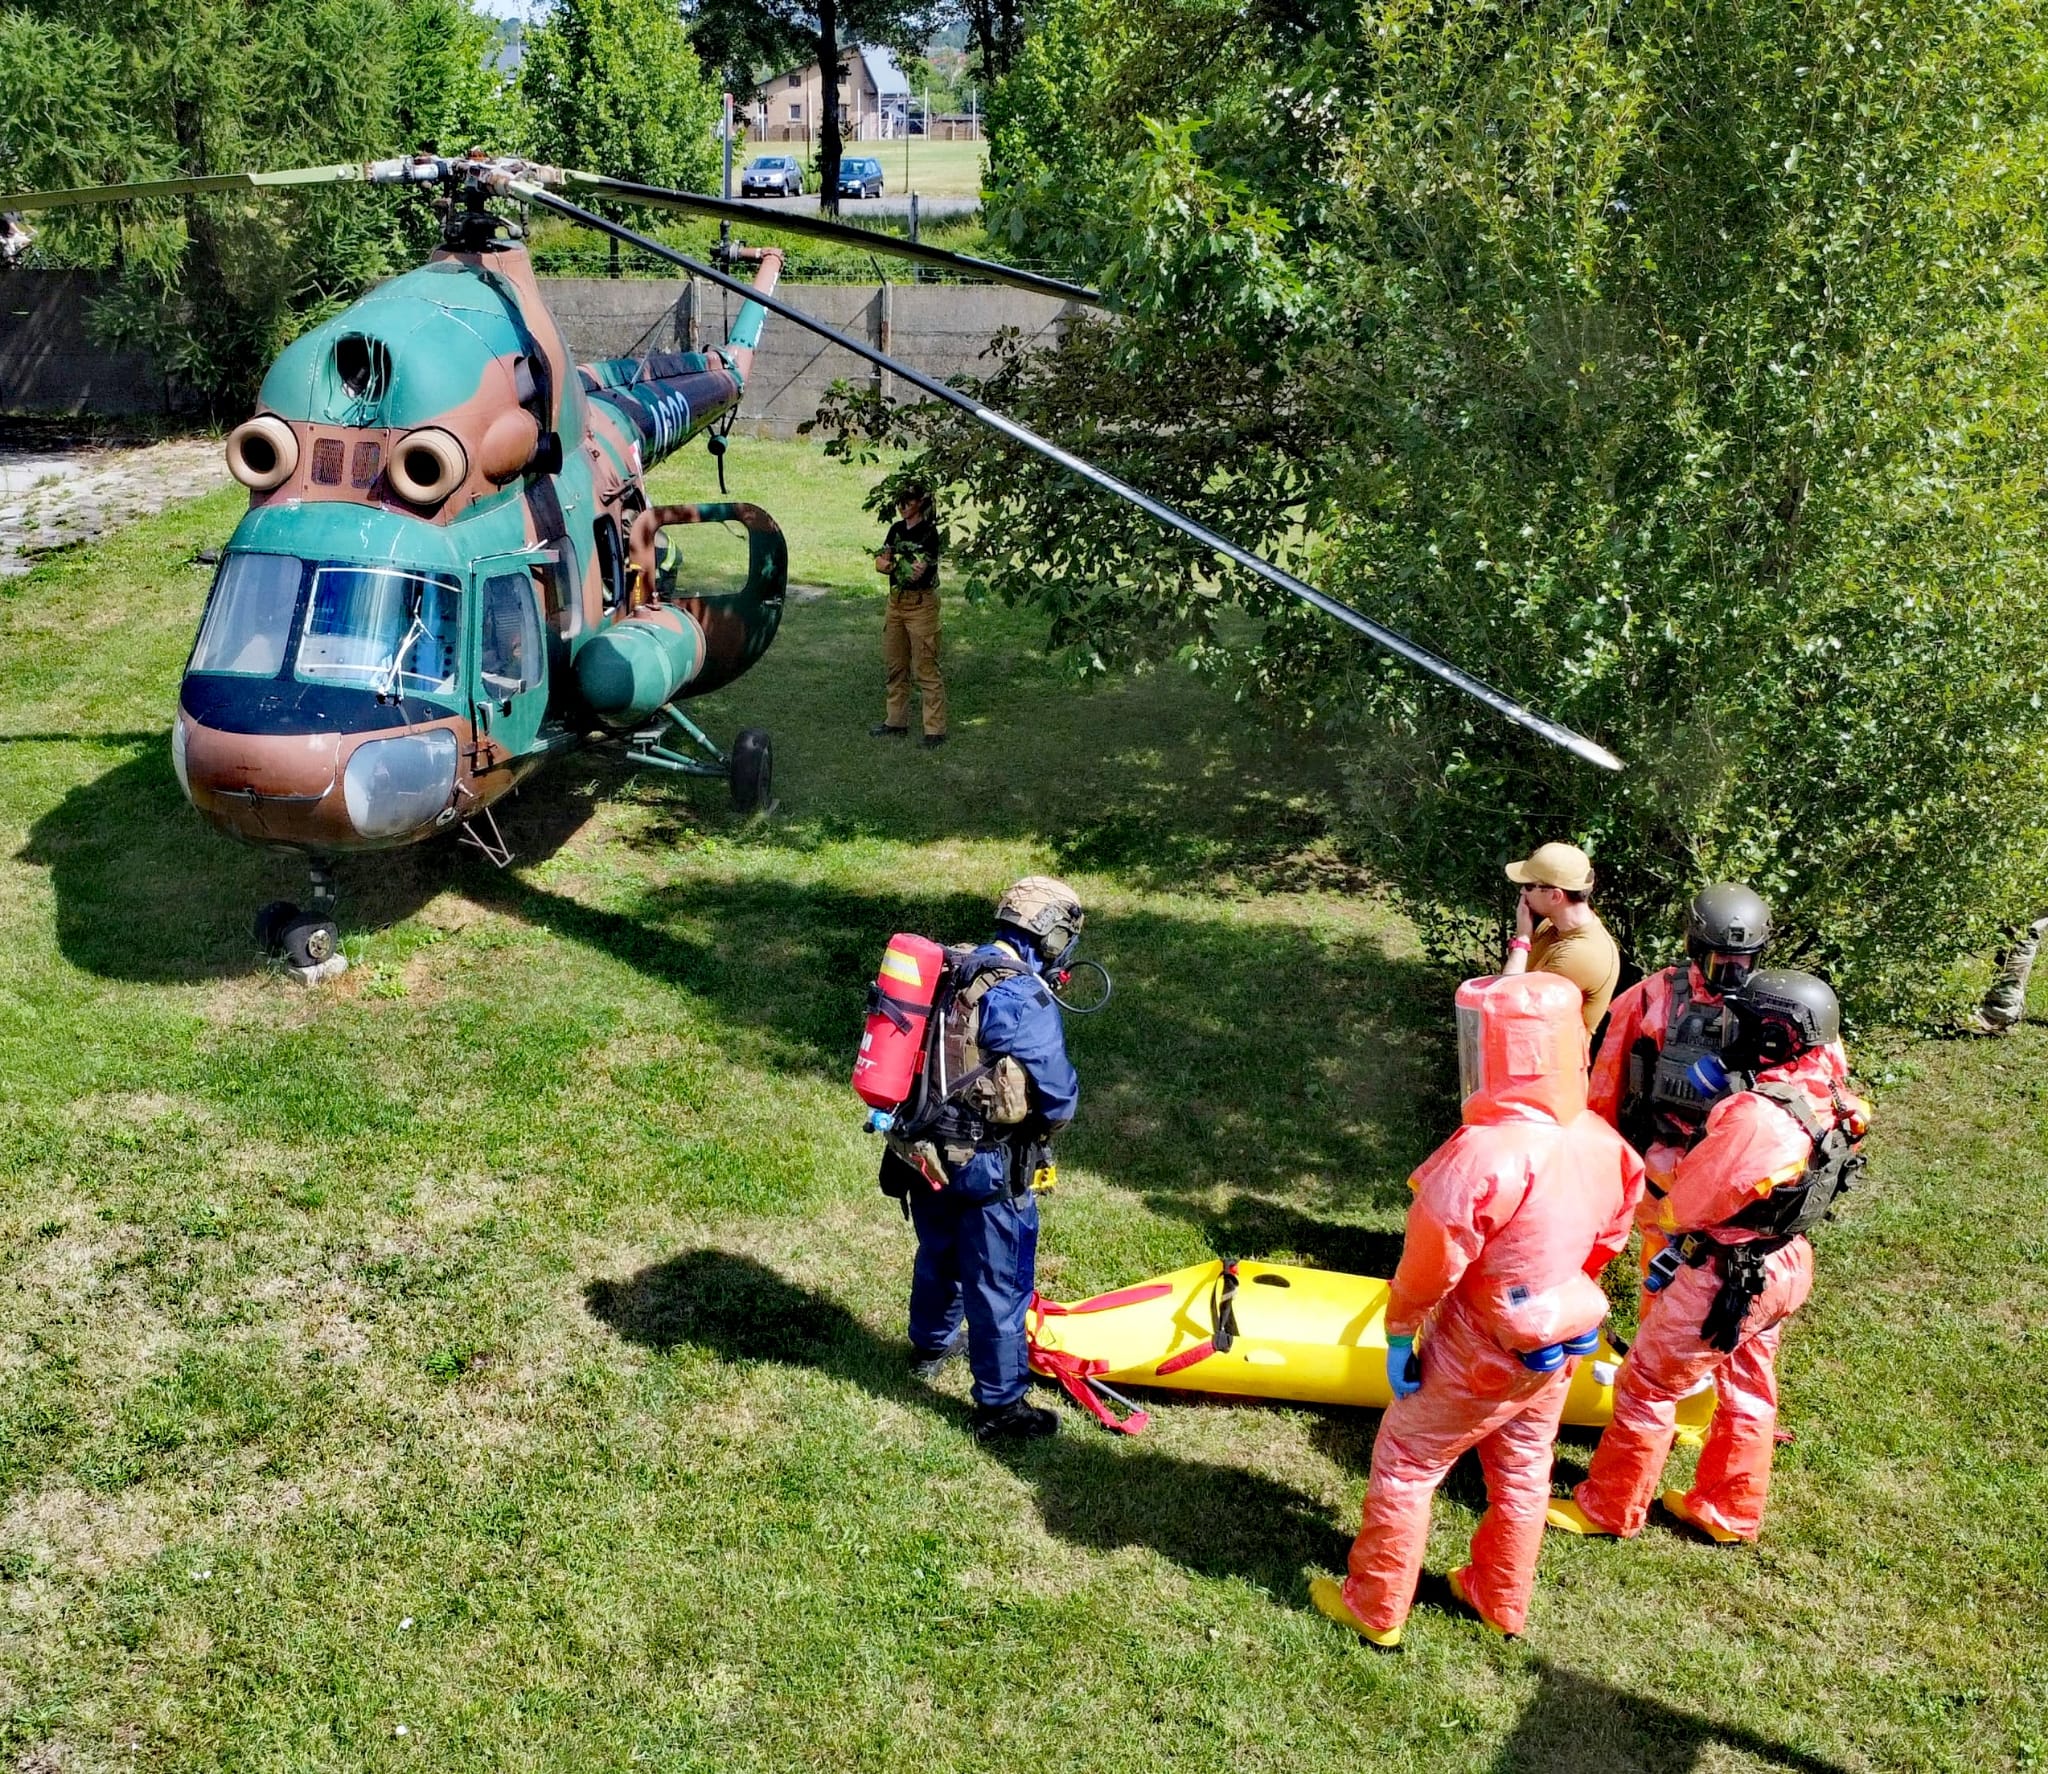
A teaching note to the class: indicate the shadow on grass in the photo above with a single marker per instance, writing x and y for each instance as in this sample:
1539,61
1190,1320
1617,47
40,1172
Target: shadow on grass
1575,1723
1093,1492
1242,1063
146,890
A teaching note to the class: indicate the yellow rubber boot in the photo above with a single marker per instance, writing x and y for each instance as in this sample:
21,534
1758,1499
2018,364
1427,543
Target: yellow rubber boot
1457,1581
1565,1513
1674,1501
1328,1595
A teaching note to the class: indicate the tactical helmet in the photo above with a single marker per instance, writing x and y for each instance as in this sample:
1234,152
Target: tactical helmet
1725,930
1783,1014
1046,910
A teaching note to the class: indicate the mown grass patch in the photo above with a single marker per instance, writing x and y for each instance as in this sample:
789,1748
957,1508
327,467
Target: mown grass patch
504,1344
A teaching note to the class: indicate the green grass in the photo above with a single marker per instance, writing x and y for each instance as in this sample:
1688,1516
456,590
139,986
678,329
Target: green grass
504,1343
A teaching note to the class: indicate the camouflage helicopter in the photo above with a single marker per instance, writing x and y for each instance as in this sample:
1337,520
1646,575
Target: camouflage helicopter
449,571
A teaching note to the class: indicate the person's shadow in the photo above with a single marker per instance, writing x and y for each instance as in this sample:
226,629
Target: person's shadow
1091,1490
1575,1723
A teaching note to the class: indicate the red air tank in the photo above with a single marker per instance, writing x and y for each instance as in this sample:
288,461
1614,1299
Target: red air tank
899,1007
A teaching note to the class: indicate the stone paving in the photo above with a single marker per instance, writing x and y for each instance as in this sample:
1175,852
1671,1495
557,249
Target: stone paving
53,497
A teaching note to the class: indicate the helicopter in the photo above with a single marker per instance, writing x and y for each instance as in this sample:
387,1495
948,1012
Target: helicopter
450,573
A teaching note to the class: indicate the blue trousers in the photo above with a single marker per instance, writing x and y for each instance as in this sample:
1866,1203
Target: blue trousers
977,1260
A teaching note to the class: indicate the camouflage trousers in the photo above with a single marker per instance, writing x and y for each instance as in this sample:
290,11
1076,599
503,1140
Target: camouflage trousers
910,644
2006,1002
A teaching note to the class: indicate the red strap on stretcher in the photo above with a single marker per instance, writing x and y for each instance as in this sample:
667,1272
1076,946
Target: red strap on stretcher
1123,1296
1072,1372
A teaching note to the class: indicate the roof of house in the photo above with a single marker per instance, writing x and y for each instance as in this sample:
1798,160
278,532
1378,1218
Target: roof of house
889,79
883,71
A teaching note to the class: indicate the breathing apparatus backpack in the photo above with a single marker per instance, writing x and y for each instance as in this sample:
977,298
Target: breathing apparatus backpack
932,1090
1834,1158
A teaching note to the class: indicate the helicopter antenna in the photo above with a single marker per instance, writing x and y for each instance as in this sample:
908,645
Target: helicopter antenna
1398,644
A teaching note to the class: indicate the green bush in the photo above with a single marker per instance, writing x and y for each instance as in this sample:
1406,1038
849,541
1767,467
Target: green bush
1680,369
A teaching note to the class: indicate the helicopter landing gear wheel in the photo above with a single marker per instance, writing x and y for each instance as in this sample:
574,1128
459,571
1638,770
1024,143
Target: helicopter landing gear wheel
753,771
271,923
311,941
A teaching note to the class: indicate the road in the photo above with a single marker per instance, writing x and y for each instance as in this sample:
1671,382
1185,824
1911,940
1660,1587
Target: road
929,209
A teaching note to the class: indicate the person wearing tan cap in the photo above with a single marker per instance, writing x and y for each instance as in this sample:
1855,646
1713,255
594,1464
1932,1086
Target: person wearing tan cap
1558,931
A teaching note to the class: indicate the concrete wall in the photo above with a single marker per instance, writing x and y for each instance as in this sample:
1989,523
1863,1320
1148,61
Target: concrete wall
49,365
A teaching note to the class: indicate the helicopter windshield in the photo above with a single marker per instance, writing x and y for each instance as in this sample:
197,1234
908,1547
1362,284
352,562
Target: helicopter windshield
376,628
379,629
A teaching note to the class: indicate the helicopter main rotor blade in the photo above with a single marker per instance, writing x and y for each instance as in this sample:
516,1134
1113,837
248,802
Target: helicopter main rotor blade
1398,644
692,203
226,181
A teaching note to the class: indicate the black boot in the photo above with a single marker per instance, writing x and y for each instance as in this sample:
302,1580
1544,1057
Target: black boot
1019,1420
927,1368
882,730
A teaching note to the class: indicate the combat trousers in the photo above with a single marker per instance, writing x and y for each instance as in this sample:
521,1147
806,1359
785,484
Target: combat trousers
910,647
1670,1358
1474,1395
2005,1004
977,1260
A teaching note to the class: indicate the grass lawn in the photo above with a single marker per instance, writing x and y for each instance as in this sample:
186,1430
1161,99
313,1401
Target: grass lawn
930,168
494,1360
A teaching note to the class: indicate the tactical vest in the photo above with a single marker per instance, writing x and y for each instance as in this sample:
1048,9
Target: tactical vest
1662,1102
1834,1156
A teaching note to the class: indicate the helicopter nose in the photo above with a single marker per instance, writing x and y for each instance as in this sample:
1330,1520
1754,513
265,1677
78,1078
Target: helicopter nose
267,787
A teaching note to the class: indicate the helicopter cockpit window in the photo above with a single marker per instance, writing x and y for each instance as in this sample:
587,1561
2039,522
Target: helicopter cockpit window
381,630
249,623
510,650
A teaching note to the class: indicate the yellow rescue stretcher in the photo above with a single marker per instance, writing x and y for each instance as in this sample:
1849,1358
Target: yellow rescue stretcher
1312,1336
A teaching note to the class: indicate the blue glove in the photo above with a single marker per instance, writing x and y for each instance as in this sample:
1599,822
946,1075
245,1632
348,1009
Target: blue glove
1663,1266
1404,1367
1708,1075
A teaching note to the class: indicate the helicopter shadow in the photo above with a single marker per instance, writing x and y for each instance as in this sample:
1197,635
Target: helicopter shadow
146,891
1331,1105
1090,1490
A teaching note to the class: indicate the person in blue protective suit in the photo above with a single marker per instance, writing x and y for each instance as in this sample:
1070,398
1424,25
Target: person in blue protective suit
967,1171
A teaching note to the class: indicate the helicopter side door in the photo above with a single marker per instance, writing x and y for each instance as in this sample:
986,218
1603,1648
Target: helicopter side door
509,659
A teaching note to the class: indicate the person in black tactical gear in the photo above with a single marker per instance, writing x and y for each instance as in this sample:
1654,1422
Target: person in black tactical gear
965,1163
1642,1080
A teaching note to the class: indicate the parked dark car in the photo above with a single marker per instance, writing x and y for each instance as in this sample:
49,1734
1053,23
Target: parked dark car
860,178
772,175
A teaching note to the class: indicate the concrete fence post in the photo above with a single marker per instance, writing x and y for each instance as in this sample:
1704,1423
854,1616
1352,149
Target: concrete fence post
884,335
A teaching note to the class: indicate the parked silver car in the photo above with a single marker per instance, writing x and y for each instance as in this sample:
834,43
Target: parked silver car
772,175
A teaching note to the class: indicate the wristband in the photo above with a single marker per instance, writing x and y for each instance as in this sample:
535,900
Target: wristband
1520,942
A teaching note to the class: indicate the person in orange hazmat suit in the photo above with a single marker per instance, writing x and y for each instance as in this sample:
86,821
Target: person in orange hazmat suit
1735,1266
1513,1219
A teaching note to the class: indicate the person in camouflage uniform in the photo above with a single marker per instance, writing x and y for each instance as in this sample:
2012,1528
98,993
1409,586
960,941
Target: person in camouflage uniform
2005,1004
910,632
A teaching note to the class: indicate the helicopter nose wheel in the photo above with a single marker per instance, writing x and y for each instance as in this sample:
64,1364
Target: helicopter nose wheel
308,942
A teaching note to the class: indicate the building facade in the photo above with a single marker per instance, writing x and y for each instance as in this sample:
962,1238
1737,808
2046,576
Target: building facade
874,101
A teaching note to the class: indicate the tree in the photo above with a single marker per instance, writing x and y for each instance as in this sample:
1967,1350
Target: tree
737,36
1679,367
449,91
615,86
102,91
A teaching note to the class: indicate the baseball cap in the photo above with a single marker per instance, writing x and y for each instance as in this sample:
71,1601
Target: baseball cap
1555,865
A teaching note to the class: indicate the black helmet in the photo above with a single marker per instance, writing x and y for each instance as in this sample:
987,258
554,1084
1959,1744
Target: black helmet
1725,930
1782,1014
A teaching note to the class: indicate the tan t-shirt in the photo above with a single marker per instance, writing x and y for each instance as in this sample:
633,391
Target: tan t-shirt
1588,958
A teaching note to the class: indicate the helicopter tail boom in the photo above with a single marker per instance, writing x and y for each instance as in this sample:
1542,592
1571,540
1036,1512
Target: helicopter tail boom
666,398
